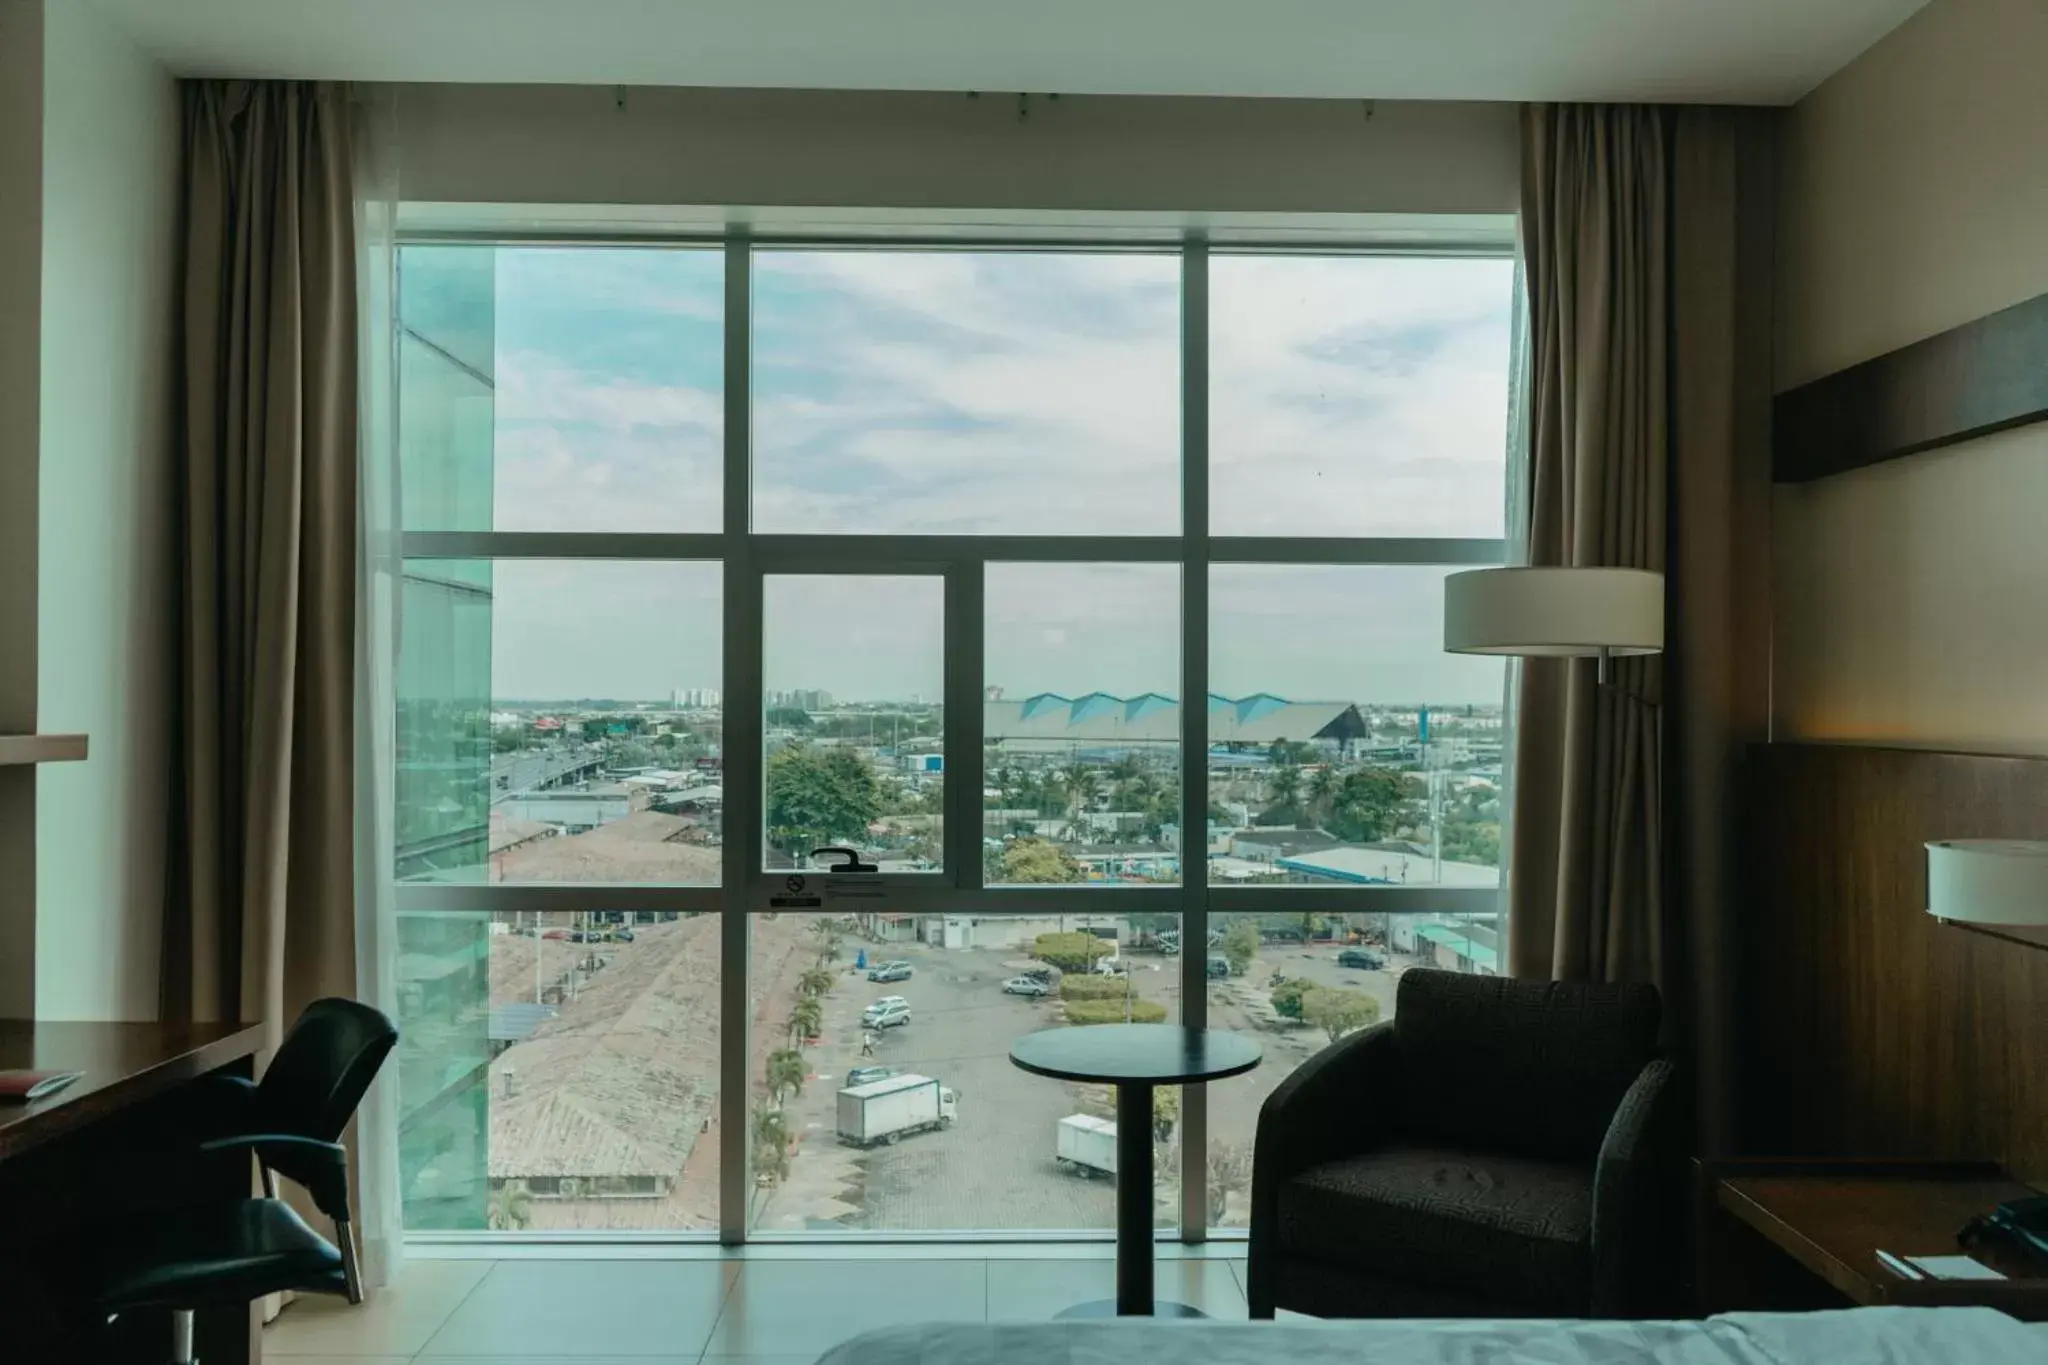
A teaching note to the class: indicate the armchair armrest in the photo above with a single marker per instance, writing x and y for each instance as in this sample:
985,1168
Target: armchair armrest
322,1167
1331,1106
1631,1239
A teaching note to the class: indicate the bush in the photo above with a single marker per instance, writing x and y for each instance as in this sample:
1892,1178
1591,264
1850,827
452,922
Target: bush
1071,952
1092,987
1287,998
1338,1012
1112,1012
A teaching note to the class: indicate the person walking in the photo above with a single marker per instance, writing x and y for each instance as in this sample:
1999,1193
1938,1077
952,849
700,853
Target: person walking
867,1042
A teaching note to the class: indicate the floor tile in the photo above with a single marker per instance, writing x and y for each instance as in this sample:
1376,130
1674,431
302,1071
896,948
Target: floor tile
587,1309
396,1321
798,1307
1030,1291
349,1360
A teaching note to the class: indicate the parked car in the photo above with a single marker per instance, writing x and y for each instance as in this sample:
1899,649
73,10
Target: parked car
623,935
560,935
1360,958
1025,985
1042,975
1111,966
867,1075
1219,965
888,1013
889,971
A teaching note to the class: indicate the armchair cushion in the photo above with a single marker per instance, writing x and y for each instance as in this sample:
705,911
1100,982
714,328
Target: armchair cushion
1535,1068
1514,1229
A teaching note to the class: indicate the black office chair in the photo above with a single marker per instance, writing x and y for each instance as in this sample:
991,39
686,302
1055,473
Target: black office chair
240,1250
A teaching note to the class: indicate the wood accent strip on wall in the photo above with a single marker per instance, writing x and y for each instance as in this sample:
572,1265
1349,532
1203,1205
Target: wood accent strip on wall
1981,377
1867,1028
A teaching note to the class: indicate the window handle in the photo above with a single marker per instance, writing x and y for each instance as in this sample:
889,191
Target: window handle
852,863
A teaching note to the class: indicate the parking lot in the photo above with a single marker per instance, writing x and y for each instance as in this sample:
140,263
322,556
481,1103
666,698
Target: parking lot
994,1168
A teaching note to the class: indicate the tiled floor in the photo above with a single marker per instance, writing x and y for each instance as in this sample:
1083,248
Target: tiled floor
779,1309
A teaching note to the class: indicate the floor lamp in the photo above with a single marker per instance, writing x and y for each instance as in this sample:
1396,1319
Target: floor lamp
1555,613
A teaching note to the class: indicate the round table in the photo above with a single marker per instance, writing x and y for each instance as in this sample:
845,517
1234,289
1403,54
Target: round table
1134,1058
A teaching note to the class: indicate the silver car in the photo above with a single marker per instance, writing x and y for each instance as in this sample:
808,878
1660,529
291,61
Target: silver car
1025,985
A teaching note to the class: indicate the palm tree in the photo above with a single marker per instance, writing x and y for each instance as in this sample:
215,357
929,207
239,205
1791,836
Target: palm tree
1322,790
510,1207
1082,785
807,1020
786,1072
827,935
815,981
1283,786
771,1144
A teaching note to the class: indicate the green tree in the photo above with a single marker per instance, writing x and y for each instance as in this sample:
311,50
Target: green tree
825,934
1037,860
818,797
1283,786
785,1074
1338,1012
788,718
1322,791
1230,1172
1287,998
1368,805
1083,784
1241,945
815,981
1165,1112
1070,952
806,1019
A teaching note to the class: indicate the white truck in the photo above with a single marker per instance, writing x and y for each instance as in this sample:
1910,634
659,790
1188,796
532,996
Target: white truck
1086,1145
894,1107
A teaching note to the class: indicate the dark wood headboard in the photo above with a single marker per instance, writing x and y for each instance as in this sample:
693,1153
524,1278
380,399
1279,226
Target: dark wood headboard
1867,1028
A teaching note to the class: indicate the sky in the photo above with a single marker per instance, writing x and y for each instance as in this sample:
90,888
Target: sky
963,393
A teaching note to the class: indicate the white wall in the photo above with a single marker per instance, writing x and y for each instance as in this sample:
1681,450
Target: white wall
1914,198
21,231
104,581
577,145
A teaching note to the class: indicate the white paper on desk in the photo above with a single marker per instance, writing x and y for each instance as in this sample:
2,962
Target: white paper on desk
1955,1268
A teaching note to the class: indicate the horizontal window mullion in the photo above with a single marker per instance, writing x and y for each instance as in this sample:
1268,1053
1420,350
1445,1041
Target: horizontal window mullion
563,545
1355,550
496,898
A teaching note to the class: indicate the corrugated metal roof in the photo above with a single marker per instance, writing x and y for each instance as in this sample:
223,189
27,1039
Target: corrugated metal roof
1151,718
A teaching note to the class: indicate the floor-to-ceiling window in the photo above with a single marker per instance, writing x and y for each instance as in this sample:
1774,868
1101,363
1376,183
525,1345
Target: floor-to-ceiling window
1091,596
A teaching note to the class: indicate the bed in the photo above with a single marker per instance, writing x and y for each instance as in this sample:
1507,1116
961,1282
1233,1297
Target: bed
1856,1336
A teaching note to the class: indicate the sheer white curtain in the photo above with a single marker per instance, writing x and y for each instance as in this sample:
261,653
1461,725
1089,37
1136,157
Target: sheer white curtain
378,567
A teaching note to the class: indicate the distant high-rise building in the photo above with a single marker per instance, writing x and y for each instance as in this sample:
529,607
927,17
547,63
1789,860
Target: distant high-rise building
693,698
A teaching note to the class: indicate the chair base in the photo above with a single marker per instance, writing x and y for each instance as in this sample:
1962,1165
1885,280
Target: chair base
1106,1308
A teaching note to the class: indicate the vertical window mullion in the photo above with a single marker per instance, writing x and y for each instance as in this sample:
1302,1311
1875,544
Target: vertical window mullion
966,600
739,747
1194,722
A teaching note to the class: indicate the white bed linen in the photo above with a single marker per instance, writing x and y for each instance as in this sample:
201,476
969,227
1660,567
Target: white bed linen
1856,1336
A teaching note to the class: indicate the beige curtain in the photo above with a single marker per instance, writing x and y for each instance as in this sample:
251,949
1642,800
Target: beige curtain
260,915
1646,233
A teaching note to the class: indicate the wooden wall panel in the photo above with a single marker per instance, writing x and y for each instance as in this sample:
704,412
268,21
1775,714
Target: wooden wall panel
1867,1028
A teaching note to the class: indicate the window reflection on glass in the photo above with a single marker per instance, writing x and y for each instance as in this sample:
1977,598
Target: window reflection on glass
558,1070
561,389
1358,395
546,734
1081,725
966,392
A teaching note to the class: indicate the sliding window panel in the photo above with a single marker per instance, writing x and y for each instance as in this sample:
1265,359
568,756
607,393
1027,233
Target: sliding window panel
561,389
558,1071
853,719
966,392
1358,395
1081,740
881,1096
560,721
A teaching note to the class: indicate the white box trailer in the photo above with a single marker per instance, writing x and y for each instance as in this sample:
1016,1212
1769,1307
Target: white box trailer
1086,1145
888,1109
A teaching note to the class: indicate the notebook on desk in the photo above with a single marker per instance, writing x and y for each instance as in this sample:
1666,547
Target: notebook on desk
23,1087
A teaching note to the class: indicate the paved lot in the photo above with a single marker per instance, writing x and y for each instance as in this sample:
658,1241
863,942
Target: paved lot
994,1168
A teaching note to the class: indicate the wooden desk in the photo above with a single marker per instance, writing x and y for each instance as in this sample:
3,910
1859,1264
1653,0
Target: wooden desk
60,1157
1832,1217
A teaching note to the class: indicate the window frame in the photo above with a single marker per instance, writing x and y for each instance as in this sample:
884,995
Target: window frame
746,557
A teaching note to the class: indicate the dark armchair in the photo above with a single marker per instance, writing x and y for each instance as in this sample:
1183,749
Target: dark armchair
1499,1148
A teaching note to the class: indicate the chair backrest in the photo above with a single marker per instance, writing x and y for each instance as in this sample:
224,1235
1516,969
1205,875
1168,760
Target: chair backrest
1532,1068
322,1068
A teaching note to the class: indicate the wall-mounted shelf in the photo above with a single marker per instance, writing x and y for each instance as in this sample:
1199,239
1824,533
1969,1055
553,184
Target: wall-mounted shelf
16,749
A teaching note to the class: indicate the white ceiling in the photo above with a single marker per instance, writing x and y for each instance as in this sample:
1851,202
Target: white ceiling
1740,51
